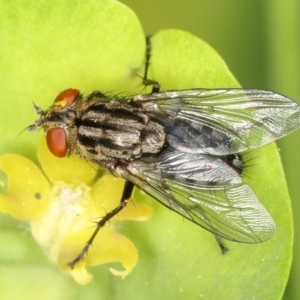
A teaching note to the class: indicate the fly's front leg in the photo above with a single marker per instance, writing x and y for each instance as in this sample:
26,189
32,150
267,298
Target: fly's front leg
146,81
128,187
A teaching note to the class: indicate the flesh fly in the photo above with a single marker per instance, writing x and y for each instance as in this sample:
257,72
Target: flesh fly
182,147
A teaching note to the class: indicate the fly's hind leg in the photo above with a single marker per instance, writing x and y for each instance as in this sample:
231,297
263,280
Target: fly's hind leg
223,248
128,187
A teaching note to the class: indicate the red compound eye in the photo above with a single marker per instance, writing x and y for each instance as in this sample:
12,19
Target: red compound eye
57,141
66,97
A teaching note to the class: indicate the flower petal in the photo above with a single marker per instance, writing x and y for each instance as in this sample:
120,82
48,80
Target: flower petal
107,192
108,246
68,169
71,210
27,191
136,211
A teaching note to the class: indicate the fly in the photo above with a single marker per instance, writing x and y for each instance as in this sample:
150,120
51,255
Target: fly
182,147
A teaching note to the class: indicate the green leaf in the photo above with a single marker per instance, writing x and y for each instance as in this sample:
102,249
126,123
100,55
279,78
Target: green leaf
53,45
180,60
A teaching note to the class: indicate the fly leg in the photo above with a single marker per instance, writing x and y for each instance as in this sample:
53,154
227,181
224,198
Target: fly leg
128,187
223,248
146,81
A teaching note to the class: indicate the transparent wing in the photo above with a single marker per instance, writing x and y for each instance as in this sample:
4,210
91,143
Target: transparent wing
221,121
205,190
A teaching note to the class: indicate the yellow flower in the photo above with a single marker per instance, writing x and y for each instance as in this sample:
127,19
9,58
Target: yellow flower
63,207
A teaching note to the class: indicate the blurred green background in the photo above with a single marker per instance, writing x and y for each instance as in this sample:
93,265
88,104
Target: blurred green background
260,42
